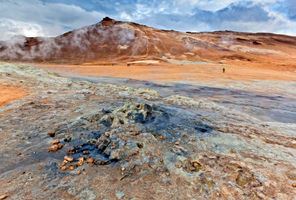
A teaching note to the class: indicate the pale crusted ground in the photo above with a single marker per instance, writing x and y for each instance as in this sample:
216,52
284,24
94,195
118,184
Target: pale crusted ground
169,141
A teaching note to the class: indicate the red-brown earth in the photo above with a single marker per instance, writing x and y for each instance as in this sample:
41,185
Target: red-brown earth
8,94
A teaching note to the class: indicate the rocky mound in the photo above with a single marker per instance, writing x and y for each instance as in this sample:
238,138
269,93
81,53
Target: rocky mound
102,136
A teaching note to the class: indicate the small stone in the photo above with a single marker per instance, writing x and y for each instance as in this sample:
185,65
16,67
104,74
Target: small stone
51,133
261,195
135,133
116,154
19,154
85,152
40,168
63,168
68,139
4,196
90,160
294,185
160,137
107,134
64,162
60,146
194,166
178,166
244,178
54,148
71,167
80,161
101,162
140,145
70,150
123,169
161,160
56,141
69,158
113,147
119,194
177,143
232,151
44,189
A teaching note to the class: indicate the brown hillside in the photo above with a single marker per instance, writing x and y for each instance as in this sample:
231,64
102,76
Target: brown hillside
111,41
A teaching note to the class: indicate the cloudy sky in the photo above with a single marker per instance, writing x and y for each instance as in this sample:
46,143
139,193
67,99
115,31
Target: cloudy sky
53,17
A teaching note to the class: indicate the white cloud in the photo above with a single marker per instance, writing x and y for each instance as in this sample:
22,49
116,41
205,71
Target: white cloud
208,5
243,16
33,17
215,5
47,19
125,16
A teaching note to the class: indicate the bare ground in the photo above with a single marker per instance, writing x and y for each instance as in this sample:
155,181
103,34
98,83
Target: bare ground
168,141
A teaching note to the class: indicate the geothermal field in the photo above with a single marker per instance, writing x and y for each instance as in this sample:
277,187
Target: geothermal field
119,110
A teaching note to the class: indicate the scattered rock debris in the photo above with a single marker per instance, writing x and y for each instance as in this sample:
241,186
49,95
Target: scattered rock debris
68,158
51,133
56,147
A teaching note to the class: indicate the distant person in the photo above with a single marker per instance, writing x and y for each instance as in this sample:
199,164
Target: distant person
223,70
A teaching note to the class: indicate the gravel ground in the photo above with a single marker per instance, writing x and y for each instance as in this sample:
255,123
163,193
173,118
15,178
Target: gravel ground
73,138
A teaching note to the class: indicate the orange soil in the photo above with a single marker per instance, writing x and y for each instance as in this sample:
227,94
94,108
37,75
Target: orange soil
8,94
171,72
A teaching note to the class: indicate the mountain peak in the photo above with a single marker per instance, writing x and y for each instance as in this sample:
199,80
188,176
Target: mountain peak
107,21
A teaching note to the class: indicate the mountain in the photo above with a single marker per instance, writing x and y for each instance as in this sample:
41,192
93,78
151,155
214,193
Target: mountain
116,41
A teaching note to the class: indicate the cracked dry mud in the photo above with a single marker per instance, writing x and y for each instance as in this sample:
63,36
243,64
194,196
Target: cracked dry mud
74,139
